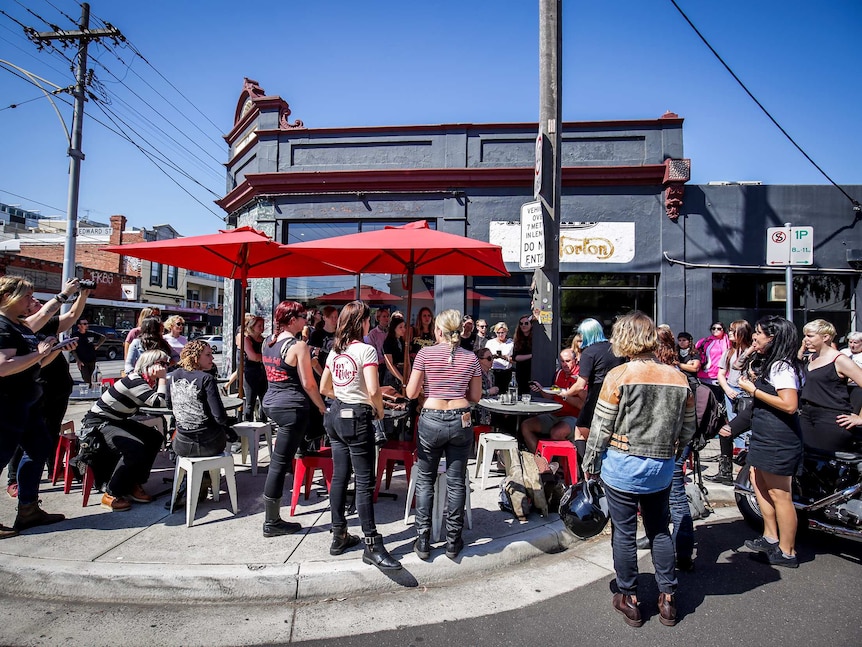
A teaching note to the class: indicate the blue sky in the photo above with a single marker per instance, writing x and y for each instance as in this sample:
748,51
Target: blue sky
340,63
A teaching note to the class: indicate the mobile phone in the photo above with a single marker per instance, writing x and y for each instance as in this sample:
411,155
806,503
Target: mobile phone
62,345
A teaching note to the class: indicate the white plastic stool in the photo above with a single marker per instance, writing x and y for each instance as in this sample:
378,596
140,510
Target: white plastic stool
194,468
249,434
439,501
490,443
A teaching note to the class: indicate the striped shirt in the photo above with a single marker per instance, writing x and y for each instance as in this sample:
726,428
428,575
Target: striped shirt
442,379
126,396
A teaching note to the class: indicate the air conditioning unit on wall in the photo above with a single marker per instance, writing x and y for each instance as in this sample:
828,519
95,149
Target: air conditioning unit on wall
776,291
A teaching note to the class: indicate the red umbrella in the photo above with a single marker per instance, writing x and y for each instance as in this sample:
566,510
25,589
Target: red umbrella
410,249
366,293
243,253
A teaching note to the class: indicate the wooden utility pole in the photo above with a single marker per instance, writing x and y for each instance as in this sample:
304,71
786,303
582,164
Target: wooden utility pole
80,40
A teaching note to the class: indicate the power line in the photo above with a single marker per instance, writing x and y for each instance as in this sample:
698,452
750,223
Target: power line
856,205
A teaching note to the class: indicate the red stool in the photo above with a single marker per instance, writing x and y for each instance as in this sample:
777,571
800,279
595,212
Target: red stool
563,449
67,449
109,381
388,455
89,480
303,472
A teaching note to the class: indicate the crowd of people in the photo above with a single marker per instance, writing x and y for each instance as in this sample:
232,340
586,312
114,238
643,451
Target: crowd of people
627,405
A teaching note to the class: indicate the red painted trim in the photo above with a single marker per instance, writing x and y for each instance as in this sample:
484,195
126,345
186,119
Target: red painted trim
406,180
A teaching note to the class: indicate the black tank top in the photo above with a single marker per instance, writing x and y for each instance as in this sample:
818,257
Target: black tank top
825,388
285,388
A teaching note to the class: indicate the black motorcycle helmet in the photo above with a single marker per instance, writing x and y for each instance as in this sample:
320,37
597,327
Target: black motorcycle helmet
583,509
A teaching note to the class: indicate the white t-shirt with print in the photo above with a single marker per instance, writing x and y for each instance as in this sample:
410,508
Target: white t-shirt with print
348,381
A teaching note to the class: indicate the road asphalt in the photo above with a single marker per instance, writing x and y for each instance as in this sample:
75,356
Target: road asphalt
148,555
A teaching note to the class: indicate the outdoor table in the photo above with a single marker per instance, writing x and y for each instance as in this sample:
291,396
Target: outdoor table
87,394
519,409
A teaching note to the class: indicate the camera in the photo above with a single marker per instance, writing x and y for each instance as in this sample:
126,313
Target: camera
87,284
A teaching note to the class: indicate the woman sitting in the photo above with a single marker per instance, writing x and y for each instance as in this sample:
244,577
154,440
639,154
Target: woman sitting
135,443
202,423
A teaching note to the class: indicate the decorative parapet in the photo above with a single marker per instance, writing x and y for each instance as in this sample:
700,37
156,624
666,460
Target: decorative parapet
677,172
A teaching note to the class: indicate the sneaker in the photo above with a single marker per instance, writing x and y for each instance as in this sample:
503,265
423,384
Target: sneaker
138,495
115,503
778,558
12,490
761,545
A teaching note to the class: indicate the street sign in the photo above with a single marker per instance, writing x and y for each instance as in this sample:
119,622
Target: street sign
537,180
790,246
532,236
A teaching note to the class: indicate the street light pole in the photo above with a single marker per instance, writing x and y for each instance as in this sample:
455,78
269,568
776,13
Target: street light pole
546,280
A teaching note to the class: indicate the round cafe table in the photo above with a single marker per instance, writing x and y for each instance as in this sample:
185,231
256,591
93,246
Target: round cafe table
519,409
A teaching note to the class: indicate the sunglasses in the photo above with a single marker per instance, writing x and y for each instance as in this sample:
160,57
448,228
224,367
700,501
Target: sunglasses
487,358
526,323
716,328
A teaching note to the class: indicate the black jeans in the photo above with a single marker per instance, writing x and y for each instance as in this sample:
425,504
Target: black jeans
254,388
655,512
137,446
352,441
199,444
441,433
290,430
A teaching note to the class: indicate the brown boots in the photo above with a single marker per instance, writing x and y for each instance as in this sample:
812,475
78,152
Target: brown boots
31,515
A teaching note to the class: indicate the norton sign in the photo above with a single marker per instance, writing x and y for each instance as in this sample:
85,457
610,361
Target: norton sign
580,242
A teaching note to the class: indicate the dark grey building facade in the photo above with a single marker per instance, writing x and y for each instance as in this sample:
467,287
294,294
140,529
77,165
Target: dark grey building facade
633,233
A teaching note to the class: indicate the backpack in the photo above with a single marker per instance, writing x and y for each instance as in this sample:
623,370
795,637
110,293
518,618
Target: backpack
710,416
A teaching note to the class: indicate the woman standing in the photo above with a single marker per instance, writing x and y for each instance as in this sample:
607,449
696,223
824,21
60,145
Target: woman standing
393,353
174,336
22,422
854,352
645,414
135,332
731,366
824,396
292,390
501,348
712,349
136,444
775,451
522,351
350,377
423,331
597,358
254,376
450,378
202,423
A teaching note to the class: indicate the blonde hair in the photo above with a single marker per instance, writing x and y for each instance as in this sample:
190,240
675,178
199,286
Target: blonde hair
500,325
149,358
820,327
173,319
250,323
633,334
449,323
191,353
15,287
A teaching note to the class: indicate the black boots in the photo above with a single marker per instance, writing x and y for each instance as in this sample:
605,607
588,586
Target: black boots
31,515
454,547
725,472
341,540
376,554
273,526
422,545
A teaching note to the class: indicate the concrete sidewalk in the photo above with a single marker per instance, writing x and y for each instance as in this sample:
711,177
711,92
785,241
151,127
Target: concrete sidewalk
148,555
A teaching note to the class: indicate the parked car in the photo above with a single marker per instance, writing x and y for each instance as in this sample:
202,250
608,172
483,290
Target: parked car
112,348
213,340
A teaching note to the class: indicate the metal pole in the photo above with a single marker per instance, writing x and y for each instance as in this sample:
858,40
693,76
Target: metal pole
788,282
546,280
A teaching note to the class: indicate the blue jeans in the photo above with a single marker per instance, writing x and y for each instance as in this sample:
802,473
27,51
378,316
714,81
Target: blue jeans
352,441
680,513
623,508
441,433
290,430
24,425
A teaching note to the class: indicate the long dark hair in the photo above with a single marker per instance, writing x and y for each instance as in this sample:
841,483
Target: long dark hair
151,335
523,342
782,348
349,326
394,322
741,340
666,351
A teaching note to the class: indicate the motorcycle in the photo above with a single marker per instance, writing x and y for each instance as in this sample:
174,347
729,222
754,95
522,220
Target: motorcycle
827,494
